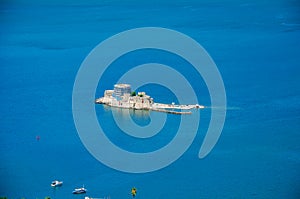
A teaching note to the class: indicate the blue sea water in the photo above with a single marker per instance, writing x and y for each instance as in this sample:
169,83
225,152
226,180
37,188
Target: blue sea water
255,45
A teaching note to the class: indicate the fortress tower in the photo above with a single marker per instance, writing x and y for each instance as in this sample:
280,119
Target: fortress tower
121,89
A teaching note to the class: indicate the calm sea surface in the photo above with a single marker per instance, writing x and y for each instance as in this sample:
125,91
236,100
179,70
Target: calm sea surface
256,47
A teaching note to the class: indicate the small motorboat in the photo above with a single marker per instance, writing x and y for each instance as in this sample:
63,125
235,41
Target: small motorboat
79,190
56,183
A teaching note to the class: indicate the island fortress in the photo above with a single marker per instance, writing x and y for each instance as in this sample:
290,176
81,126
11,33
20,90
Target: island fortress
122,97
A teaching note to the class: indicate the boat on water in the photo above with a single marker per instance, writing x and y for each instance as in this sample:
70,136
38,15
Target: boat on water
56,183
79,190
86,197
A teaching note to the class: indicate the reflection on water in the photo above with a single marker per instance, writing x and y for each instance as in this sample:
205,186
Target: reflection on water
140,117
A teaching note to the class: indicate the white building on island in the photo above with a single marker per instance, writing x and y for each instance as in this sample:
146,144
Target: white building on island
122,97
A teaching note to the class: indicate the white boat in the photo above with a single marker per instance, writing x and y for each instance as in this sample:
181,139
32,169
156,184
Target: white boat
56,183
79,190
86,197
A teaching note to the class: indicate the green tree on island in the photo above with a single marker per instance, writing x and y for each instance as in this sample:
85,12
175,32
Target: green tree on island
133,93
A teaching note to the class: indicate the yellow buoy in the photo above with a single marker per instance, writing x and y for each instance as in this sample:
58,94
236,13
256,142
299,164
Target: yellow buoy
133,192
